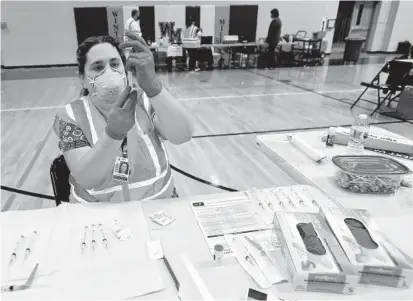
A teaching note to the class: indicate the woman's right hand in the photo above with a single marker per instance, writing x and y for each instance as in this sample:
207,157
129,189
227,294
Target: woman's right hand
121,117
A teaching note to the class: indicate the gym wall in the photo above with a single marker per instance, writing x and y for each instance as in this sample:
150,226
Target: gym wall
403,25
44,33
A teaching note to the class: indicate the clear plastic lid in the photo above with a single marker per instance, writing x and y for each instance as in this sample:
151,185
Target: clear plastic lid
372,165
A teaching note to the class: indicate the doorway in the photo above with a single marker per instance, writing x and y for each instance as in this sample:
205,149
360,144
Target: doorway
354,18
343,24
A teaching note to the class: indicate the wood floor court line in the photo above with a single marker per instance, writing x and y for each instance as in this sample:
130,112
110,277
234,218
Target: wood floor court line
229,110
296,129
205,98
26,173
318,92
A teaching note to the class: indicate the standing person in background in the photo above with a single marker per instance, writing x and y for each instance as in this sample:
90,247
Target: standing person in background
200,33
205,58
191,30
273,37
191,33
132,25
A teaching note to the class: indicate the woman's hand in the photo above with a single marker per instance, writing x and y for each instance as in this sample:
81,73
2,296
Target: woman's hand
141,63
121,117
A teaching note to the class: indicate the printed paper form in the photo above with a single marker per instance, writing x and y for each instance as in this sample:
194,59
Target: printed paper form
233,215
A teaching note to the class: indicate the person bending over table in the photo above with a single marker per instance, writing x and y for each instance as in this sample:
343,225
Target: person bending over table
113,123
191,33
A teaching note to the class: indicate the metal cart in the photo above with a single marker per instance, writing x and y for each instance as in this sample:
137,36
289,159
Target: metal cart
308,51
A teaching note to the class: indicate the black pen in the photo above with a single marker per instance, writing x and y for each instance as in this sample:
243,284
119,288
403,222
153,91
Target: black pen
26,285
168,266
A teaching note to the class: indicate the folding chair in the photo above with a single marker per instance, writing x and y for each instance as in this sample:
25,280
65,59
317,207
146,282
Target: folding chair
59,175
392,88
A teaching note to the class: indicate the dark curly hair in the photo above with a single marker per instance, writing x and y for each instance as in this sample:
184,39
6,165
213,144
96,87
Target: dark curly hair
84,48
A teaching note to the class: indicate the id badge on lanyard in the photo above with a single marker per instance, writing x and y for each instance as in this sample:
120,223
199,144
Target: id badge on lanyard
121,171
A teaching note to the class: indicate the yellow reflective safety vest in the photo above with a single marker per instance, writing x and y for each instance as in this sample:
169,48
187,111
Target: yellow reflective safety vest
150,176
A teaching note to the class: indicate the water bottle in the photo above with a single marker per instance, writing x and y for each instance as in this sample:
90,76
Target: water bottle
358,135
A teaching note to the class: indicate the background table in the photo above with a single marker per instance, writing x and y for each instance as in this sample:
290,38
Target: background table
230,47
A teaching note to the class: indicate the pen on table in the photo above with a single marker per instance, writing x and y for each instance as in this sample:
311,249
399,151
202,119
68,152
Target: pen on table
16,249
26,285
171,272
29,248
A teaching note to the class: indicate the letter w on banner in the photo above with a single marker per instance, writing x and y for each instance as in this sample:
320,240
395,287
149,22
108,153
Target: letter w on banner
164,27
167,30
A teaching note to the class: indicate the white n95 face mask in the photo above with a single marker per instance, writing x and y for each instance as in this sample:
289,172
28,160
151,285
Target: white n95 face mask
108,84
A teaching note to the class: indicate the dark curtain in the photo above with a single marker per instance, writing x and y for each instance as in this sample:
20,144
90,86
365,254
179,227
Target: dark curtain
243,21
147,22
90,21
193,13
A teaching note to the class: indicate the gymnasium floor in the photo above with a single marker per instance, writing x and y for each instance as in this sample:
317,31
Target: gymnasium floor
228,107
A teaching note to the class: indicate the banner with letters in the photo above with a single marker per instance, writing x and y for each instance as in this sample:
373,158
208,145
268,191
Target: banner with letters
115,22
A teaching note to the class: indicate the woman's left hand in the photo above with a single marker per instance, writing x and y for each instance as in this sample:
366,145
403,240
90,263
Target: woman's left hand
141,62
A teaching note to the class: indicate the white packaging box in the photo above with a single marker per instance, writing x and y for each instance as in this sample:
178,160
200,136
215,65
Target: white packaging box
316,263
377,260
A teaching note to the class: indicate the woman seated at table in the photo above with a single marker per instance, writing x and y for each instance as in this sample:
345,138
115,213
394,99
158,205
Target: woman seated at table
112,123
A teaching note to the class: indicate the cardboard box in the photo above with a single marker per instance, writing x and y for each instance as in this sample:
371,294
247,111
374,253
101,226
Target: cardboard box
375,258
316,262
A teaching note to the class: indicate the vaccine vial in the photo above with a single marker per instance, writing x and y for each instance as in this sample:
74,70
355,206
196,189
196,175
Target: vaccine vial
331,137
218,252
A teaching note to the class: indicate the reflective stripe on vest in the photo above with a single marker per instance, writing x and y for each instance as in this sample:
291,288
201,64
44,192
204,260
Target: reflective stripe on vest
159,175
166,186
69,112
90,120
149,144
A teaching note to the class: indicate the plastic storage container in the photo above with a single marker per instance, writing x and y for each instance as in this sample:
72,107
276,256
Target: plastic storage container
369,174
